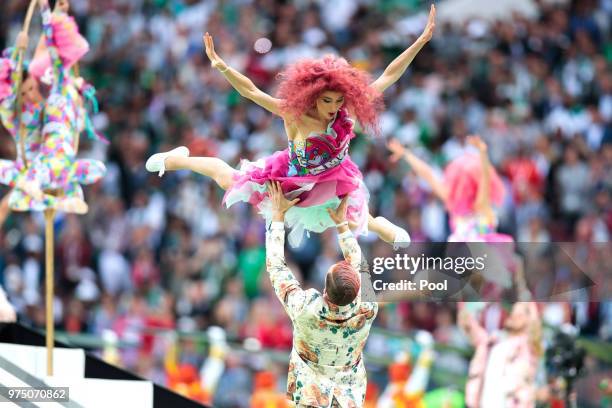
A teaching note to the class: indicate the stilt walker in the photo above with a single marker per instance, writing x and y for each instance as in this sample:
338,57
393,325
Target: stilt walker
46,175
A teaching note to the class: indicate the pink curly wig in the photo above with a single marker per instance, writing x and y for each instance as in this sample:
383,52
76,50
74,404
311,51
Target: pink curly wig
462,176
303,82
5,78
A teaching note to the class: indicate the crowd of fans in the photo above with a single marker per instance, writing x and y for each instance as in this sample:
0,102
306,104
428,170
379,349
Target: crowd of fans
155,253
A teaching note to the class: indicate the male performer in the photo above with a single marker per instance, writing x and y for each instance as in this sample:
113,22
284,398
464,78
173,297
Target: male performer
503,369
329,330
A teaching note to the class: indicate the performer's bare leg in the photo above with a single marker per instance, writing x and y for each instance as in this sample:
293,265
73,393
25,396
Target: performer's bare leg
389,232
179,159
215,168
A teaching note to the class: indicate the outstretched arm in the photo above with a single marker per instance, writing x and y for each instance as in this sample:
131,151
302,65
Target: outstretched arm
284,282
468,323
483,197
8,106
56,61
348,244
421,168
4,209
398,66
241,83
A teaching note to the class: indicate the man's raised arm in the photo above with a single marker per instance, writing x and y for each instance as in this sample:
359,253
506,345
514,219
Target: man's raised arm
348,244
284,282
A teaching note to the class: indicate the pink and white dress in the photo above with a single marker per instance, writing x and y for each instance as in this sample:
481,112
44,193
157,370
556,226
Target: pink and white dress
319,171
462,176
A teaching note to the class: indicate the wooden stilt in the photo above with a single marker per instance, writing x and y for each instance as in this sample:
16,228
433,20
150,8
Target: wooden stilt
49,273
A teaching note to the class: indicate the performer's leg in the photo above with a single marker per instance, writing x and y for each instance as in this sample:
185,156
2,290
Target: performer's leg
53,165
72,201
212,167
389,232
13,174
88,171
8,173
178,159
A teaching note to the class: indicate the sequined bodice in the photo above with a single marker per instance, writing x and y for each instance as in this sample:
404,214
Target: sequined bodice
321,151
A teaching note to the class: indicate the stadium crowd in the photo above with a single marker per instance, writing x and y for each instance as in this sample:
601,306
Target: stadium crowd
163,253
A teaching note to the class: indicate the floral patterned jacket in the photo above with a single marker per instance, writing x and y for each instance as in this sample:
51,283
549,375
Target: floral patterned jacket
328,340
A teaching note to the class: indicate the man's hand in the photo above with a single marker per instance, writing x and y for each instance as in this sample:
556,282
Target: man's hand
280,204
339,214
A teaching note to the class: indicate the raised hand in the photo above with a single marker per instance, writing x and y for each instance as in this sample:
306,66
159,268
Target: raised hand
396,149
431,24
22,40
215,60
280,204
478,143
339,214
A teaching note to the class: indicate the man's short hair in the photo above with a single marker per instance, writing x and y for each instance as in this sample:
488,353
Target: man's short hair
342,284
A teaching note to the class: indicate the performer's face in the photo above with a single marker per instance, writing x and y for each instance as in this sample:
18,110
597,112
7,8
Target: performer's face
518,318
62,5
328,103
30,92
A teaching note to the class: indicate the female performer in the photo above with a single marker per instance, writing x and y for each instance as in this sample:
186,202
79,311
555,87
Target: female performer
470,188
316,99
53,166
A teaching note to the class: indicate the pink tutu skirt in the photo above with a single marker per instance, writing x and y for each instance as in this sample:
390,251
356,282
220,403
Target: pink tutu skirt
317,193
499,253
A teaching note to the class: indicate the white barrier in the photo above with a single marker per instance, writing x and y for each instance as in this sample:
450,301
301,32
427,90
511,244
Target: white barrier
25,366
67,363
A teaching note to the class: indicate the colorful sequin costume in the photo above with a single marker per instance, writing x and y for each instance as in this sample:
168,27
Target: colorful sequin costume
64,117
318,171
27,124
326,362
462,177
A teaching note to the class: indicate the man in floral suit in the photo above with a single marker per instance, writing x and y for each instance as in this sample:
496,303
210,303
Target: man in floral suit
330,330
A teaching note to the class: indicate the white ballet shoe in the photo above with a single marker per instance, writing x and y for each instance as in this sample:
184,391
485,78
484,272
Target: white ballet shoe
402,238
156,163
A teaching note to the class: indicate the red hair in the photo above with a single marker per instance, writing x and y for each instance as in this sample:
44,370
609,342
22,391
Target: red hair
342,284
303,82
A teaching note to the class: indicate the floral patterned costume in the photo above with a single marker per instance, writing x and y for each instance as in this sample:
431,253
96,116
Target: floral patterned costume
54,165
26,124
326,364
